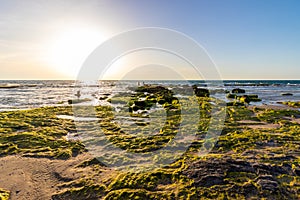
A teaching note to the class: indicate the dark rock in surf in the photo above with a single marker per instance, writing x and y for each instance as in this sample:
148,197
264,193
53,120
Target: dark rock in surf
75,101
103,97
238,91
286,94
9,86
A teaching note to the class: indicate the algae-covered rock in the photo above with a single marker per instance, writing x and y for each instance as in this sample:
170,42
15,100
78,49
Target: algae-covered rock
93,191
295,104
200,92
243,99
229,176
231,96
149,95
235,103
4,194
267,182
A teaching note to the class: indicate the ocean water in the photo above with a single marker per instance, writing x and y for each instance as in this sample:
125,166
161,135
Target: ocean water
38,93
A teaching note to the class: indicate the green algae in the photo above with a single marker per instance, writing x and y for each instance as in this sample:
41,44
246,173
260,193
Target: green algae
39,133
271,115
4,194
94,191
295,104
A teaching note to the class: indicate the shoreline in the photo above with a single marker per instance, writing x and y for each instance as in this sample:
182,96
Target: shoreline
53,93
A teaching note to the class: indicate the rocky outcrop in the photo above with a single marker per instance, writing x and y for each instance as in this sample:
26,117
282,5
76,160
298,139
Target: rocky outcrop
260,179
200,92
148,95
241,100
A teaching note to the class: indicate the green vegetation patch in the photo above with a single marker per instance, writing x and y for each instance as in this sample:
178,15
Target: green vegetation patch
38,133
276,116
295,104
4,194
244,164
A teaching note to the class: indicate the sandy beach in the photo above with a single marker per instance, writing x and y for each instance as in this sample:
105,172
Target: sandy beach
37,178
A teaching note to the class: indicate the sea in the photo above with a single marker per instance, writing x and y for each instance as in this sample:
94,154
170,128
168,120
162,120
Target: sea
27,94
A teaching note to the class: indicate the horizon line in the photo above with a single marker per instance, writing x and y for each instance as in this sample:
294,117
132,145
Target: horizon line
153,80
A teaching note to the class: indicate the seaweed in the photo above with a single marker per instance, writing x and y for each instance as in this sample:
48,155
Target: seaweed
245,163
4,194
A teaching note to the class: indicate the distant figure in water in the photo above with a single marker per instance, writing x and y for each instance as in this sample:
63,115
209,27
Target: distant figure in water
78,94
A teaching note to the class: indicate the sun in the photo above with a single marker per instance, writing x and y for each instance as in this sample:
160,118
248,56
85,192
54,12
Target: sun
68,50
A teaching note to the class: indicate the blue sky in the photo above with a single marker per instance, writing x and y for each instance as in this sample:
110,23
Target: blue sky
257,39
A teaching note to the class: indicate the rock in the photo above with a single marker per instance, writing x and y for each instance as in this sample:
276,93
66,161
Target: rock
75,101
255,100
161,101
200,92
231,96
267,182
249,190
297,172
103,97
218,91
135,108
149,95
253,96
238,91
287,94
249,98
142,104
240,166
151,89
244,99
221,172
151,99
210,180
221,168
142,123
9,85
235,103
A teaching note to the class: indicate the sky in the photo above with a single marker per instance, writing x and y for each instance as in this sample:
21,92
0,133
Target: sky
246,39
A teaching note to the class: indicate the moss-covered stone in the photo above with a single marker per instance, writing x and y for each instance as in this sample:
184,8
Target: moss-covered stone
295,104
4,194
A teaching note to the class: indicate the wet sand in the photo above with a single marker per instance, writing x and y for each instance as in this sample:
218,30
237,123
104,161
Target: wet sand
38,178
